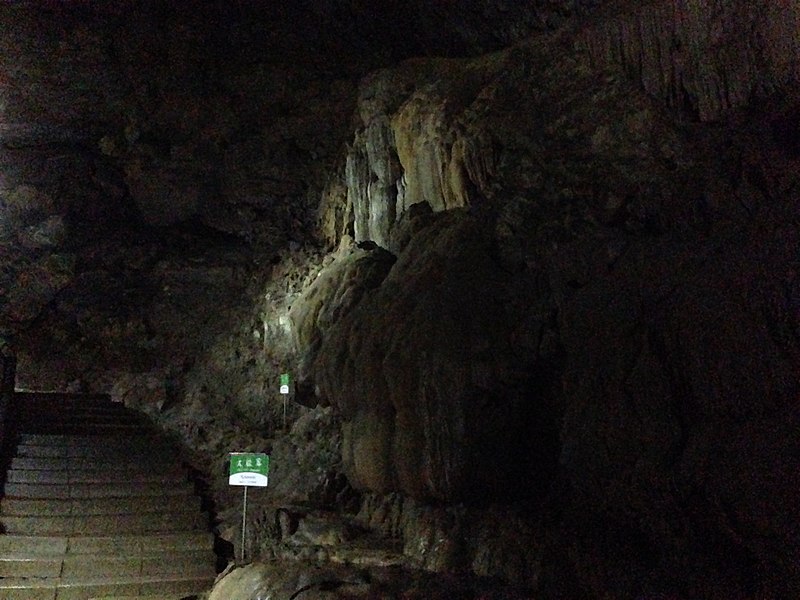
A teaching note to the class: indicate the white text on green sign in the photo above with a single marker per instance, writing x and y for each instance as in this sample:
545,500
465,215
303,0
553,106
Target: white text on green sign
249,468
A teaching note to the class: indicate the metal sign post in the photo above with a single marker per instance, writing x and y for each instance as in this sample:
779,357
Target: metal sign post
244,522
248,469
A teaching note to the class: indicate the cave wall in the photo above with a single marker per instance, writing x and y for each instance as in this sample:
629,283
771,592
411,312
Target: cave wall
608,269
704,58
154,164
541,300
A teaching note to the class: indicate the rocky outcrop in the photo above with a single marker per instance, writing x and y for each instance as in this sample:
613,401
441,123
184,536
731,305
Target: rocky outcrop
684,380
415,146
312,580
622,287
660,389
354,273
703,57
426,377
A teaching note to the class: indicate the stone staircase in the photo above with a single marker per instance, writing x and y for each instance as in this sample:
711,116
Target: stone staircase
97,506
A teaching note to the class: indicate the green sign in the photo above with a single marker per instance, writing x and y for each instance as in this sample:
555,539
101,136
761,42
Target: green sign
285,382
249,469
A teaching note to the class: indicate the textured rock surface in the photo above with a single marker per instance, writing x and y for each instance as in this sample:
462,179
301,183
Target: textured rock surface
291,579
432,402
620,280
703,57
557,342
337,290
415,145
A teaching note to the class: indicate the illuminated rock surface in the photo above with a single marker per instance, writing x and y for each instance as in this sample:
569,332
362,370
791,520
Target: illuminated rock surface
532,266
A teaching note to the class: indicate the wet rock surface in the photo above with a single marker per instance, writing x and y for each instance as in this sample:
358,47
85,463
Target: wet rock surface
290,579
536,285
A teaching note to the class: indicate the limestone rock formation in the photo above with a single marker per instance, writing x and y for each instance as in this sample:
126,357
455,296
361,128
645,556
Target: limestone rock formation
703,57
536,262
428,381
354,273
629,323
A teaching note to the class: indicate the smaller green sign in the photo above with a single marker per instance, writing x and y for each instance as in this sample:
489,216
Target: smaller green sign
285,381
249,468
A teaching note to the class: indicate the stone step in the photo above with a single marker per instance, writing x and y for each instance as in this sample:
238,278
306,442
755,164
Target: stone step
85,428
21,400
49,405
77,416
79,396
60,589
95,476
25,422
44,403
144,597
111,452
98,429
119,545
88,422
45,408
39,439
55,414
97,506
67,412
34,416
172,563
156,522
26,413
98,490
26,399
130,463
142,440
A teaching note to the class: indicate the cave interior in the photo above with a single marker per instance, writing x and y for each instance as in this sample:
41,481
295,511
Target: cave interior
533,269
